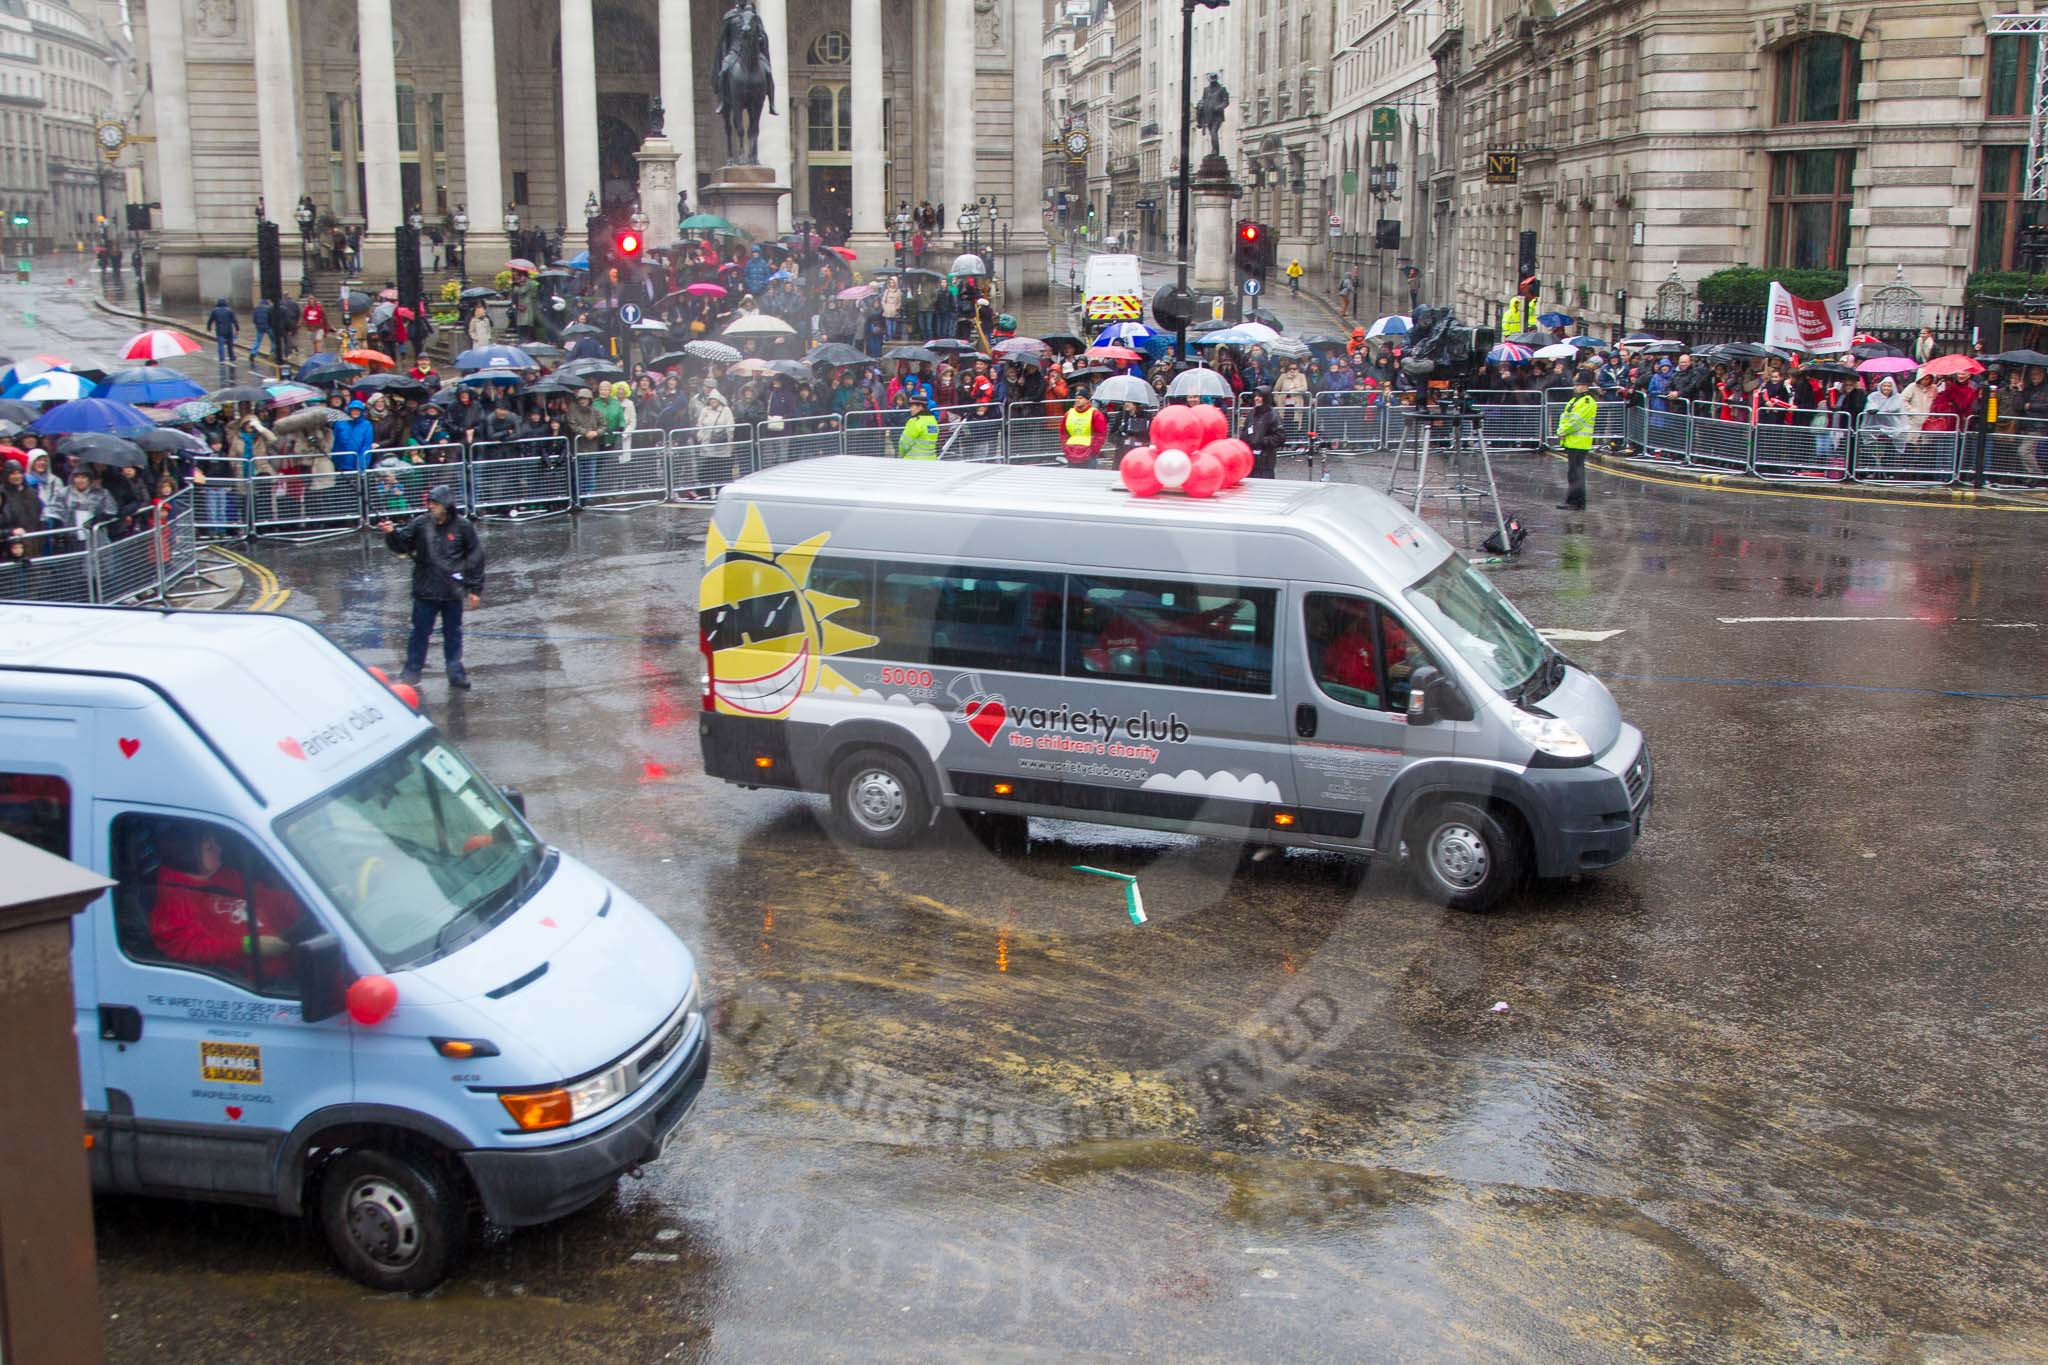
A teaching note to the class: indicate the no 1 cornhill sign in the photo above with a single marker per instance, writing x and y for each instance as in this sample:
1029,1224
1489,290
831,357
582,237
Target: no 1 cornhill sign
1503,168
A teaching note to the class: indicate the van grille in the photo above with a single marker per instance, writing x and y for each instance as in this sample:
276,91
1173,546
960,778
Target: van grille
1637,778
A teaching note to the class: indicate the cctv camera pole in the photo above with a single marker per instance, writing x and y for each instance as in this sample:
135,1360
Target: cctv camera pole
1187,128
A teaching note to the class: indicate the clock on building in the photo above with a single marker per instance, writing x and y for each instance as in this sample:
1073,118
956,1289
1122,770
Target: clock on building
112,137
1077,143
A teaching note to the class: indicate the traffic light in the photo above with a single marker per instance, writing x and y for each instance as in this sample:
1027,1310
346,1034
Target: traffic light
1254,253
599,248
626,247
405,239
270,261
19,220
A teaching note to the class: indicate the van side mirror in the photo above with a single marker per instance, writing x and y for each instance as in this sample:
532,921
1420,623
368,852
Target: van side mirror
1433,697
322,974
514,798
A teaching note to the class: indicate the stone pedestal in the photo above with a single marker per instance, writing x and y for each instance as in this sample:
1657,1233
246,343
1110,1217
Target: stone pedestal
657,157
747,197
1213,226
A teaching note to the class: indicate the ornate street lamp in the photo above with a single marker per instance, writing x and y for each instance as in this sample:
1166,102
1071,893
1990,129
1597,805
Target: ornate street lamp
462,243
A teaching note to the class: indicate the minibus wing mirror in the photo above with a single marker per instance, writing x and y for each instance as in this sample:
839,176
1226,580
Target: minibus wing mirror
1424,695
322,975
514,798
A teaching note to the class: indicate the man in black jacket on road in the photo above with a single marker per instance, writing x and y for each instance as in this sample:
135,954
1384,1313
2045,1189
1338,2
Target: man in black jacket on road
447,574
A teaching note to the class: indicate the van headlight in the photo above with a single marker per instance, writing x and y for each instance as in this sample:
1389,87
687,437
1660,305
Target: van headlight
1549,735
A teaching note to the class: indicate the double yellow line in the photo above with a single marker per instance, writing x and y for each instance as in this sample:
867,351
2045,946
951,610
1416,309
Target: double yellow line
1717,483
270,594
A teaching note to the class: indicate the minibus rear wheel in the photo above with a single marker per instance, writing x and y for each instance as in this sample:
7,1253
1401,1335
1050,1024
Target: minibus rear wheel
394,1220
1467,856
878,799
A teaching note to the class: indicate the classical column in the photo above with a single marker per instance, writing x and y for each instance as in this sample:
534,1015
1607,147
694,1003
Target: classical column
775,153
581,175
382,209
277,121
483,174
870,172
679,79
1027,147
173,110
958,115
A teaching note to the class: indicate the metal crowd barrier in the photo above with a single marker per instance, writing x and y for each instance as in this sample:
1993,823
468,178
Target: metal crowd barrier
1035,431
702,460
521,480
2015,453
779,440
1905,452
147,564
1351,419
618,476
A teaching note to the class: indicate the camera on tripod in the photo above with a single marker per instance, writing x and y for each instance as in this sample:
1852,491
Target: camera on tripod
1445,358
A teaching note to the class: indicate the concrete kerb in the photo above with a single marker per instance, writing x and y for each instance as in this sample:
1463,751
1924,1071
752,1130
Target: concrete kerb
1728,481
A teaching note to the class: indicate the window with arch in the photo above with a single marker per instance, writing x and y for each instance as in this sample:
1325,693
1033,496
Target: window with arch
1817,79
1811,196
828,116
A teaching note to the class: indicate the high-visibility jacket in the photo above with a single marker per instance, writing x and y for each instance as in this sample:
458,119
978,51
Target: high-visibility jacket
1511,319
920,438
1575,425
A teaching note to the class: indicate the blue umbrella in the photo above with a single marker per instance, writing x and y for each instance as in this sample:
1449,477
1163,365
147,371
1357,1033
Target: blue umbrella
148,384
492,377
1583,342
1555,319
496,358
1123,333
580,261
91,414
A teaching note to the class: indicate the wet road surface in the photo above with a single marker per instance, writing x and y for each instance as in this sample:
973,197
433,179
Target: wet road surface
1769,1089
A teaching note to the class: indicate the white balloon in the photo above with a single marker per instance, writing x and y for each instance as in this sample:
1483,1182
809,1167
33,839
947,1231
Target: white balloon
1171,468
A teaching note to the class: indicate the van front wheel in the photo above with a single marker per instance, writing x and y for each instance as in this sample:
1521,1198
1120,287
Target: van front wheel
395,1222
1467,857
878,799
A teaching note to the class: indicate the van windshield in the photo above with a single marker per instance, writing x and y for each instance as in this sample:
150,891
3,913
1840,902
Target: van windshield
414,847
1479,623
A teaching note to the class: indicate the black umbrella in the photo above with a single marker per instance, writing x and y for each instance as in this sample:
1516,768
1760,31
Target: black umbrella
921,273
98,447
916,354
326,369
240,393
390,383
1745,350
582,329
170,441
1212,325
1270,319
593,368
2021,357
1828,369
1090,372
791,369
1318,341
667,359
477,291
953,344
554,273
552,384
14,410
887,270
1529,339
836,353
1864,350
1060,339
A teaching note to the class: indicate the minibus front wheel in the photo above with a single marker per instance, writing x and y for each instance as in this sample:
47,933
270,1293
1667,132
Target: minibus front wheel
1467,856
878,799
394,1220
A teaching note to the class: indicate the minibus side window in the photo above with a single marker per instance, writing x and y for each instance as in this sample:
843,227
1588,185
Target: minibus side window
36,809
198,896
1181,634
1004,620
1348,639
852,579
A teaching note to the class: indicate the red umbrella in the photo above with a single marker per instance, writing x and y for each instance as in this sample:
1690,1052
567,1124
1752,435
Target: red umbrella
405,313
158,344
521,263
1951,364
1123,353
844,253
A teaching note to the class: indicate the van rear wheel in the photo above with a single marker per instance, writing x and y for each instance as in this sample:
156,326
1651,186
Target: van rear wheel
394,1221
1467,857
878,799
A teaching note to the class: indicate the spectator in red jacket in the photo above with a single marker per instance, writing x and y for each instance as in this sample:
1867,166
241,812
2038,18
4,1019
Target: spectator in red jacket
1954,401
203,916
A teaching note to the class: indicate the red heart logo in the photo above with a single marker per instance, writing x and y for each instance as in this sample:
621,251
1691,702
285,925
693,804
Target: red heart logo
986,718
292,748
234,1111
548,922
129,746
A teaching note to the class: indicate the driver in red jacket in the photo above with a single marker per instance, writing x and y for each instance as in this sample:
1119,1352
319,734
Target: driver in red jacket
202,917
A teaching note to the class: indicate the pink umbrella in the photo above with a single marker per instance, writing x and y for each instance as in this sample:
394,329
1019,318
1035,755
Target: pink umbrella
857,293
703,290
158,344
1889,364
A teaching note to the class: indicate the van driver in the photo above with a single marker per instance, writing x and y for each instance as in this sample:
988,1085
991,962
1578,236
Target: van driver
201,916
1347,661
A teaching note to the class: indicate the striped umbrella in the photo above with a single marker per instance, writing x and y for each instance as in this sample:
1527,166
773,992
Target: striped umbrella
52,386
158,343
1508,353
1392,325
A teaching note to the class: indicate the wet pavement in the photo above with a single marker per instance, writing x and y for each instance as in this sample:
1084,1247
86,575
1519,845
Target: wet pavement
1769,1089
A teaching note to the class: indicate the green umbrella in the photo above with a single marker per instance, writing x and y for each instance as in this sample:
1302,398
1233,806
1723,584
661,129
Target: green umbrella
706,222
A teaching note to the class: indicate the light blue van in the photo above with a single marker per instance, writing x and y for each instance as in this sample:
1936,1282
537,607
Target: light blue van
287,837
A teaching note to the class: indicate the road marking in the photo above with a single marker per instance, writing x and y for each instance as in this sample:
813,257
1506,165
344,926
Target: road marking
1963,498
1926,620
1580,636
1266,1294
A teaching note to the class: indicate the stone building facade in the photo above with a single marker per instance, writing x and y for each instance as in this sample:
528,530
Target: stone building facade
1660,141
537,105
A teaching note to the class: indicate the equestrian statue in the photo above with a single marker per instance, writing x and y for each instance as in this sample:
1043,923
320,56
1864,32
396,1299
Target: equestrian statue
743,80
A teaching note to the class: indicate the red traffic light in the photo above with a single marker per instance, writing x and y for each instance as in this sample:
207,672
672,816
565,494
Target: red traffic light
628,245
1249,232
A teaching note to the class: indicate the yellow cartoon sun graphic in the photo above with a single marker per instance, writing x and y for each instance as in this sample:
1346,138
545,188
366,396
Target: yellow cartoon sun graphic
766,632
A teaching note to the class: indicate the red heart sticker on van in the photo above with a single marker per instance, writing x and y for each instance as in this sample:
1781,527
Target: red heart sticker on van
986,718
293,748
234,1111
129,746
548,922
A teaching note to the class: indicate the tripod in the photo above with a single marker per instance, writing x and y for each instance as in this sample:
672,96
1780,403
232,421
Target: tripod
1457,435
